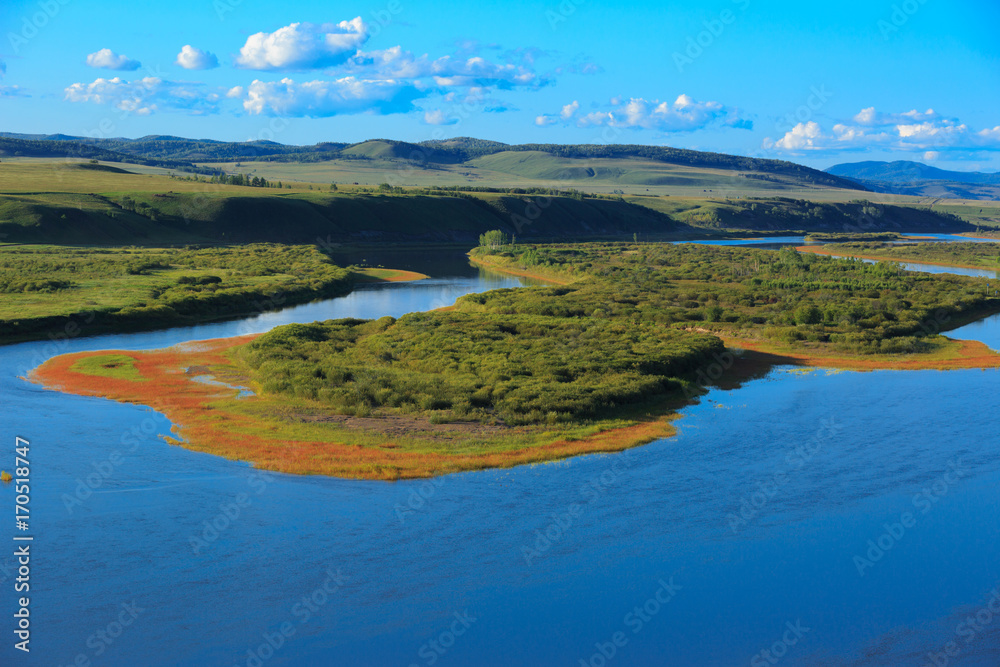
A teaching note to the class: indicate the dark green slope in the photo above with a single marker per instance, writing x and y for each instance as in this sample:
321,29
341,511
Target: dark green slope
311,218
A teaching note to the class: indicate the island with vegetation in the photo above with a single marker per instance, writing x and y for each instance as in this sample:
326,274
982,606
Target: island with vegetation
94,290
598,362
971,255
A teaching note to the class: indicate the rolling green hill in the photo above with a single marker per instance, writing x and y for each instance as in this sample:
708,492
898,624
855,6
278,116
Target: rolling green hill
615,164
86,203
95,204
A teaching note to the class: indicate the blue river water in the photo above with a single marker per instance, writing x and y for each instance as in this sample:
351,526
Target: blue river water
827,518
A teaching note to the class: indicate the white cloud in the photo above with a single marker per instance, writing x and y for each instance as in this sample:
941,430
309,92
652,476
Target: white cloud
871,117
683,114
108,59
439,117
443,72
303,46
804,136
931,134
988,135
914,131
388,81
931,156
328,98
234,92
144,96
193,58
543,120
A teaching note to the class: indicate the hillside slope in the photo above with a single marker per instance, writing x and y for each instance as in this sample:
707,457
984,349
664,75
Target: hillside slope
312,218
546,161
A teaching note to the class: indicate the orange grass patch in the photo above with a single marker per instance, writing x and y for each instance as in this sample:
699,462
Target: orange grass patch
390,275
199,412
820,250
524,273
957,354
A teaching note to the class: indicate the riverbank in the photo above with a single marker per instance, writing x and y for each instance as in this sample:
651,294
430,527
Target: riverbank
371,275
58,292
509,267
509,377
948,355
878,257
300,437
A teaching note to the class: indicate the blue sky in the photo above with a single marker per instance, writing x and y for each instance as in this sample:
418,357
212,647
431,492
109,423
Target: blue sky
816,83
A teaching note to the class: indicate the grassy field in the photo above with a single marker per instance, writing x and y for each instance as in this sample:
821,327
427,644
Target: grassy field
46,289
525,169
531,374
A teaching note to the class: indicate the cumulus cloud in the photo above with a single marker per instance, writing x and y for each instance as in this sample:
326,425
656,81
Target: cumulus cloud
389,81
910,131
870,117
439,117
303,46
108,59
683,114
543,120
804,136
193,58
144,96
318,99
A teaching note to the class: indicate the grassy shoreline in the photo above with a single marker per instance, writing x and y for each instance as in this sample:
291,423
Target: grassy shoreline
888,256
298,420
275,434
59,291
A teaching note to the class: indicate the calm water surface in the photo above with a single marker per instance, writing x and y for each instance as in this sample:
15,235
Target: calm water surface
755,519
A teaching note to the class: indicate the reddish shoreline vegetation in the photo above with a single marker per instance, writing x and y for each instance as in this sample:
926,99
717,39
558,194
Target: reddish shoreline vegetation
272,435
599,363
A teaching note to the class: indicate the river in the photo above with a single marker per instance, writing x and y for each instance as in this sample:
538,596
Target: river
830,518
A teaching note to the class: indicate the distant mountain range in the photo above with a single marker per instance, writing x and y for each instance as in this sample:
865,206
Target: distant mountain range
917,178
189,154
